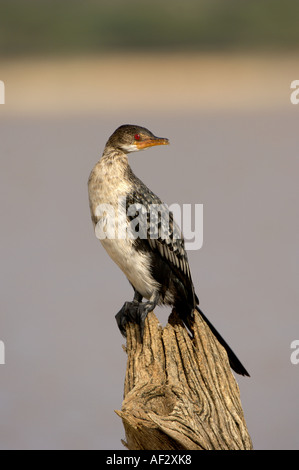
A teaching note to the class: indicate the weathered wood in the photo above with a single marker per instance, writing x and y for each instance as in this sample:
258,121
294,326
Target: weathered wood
180,392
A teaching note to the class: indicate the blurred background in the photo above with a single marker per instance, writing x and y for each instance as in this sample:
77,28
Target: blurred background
212,76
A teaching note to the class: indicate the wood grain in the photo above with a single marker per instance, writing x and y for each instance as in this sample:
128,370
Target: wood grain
180,393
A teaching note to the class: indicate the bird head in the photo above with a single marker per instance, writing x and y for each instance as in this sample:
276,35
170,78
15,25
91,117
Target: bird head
131,138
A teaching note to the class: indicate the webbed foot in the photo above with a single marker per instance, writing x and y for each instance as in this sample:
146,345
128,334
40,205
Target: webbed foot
134,312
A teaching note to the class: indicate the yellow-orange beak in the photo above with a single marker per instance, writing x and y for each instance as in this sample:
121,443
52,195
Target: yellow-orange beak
144,144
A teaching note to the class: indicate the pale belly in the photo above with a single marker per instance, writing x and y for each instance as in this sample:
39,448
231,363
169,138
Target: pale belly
135,265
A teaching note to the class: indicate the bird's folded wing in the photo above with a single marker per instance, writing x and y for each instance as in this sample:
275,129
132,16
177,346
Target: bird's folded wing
161,233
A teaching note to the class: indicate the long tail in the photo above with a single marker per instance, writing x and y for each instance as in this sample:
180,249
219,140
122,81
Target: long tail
233,360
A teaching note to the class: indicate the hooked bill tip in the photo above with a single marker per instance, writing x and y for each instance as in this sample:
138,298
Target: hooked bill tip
152,142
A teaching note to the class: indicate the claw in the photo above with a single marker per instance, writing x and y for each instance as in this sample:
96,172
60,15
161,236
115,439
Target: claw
135,312
127,314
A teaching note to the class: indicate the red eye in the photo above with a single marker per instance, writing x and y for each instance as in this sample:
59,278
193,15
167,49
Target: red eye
137,137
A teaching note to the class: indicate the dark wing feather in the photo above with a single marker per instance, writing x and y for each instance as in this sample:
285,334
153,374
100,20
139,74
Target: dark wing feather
163,235
162,232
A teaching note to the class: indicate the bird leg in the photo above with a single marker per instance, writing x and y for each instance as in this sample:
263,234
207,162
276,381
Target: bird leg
137,297
135,312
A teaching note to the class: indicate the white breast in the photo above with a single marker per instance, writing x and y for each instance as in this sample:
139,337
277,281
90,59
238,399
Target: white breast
135,265
109,185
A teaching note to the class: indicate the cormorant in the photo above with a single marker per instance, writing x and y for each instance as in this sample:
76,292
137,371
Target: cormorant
139,233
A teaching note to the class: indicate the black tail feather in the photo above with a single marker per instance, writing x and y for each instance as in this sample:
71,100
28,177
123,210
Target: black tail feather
233,360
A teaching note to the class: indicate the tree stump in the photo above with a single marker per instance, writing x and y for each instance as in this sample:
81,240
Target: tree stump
180,393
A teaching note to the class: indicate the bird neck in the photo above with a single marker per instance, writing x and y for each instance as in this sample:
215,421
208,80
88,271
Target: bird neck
113,169
114,156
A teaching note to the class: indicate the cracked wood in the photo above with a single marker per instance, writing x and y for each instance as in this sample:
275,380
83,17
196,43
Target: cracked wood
180,393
